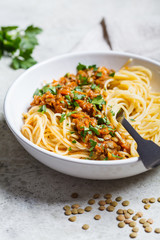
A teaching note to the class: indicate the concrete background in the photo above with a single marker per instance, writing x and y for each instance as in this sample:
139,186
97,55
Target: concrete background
31,195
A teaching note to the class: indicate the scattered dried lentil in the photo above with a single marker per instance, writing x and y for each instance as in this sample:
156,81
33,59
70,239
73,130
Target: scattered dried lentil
120,217
75,206
146,224
102,203
158,201
152,200
127,215
130,211
114,203
108,201
135,217
157,230
139,214
120,211
135,229
133,235
97,217
118,199
85,226
145,200
142,220
72,219
132,224
74,211
88,208
147,206
121,224
127,221
66,207
74,195
102,208
108,195
91,201
67,212
148,229
150,220
110,208
96,195
80,211
125,203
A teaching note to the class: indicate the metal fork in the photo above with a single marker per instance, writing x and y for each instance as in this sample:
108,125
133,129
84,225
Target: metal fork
148,151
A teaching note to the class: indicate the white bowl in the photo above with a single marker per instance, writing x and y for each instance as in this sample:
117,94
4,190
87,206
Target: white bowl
19,96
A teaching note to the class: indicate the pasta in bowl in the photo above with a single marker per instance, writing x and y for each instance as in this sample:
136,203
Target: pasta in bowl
71,123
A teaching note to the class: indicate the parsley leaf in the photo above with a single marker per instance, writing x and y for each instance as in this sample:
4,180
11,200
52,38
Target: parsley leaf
112,74
116,156
106,158
112,112
79,96
69,149
81,67
133,120
68,97
74,141
99,74
98,100
42,109
63,117
95,68
93,144
94,129
70,113
93,86
78,88
83,80
103,120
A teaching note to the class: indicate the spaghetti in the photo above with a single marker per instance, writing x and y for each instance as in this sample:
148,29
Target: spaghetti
76,115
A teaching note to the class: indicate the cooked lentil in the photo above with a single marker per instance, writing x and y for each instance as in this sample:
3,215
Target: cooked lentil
150,220
67,212
146,224
145,200
75,206
127,215
158,199
139,214
74,211
135,217
108,201
127,221
66,207
114,203
120,211
130,211
142,220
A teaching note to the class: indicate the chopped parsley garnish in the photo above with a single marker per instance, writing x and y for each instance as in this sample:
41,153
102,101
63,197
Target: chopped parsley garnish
72,132
104,120
93,86
42,109
81,67
70,113
99,74
69,149
112,74
95,68
98,100
112,134
106,158
66,75
38,92
91,154
94,129
78,88
93,144
112,112
53,90
62,101
63,117
68,97
74,141
78,96
116,156
75,104
101,139
83,80
133,120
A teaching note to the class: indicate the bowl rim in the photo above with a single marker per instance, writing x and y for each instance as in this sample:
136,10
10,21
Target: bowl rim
18,133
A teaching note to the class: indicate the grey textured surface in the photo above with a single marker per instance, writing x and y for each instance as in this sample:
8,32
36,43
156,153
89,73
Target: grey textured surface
32,195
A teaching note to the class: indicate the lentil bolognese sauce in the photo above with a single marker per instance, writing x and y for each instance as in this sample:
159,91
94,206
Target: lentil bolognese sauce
73,117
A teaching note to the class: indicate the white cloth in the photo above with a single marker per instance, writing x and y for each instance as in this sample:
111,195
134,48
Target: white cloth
135,35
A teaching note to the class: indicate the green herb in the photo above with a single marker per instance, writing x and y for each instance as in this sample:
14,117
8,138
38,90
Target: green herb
116,156
66,75
81,67
19,45
84,133
93,86
53,90
106,158
78,96
101,139
48,88
62,101
94,129
91,154
70,113
95,68
89,100
99,74
102,120
63,117
83,80
42,109
74,141
68,97
98,100
72,132
78,88
112,74
38,92
75,104
69,149
133,120
93,144
113,113
112,134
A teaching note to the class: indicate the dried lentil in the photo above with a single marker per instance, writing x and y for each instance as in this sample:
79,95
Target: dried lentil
150,220
102,208
114,203
146,224
108,195
125,203
157,230
102,203
127,215
88,208
148,229
72,219
110,208
108,201
142,220
130,211
75,206
132,224
127,221
66,207
152,200
74,211
158,201
96,195
91,201
74,195
135,229
145,200
135,217
147,206
121,224
120,211
80,211
85,226
97,217
133,235
139,214
120,218
118,199
68,212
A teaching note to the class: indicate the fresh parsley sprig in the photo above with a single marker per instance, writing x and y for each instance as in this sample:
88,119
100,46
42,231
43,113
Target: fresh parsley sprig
19,45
